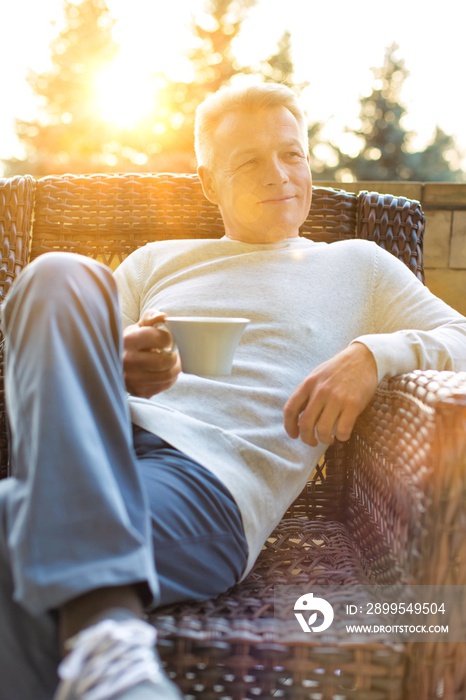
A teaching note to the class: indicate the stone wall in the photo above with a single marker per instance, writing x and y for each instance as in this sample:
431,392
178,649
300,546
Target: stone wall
445,236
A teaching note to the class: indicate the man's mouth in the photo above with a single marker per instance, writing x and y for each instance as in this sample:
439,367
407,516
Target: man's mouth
278,200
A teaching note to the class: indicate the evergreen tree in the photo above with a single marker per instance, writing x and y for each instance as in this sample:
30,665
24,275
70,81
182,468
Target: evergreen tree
279,68
386,152
67,135
213,58
214,65
383,156
438,161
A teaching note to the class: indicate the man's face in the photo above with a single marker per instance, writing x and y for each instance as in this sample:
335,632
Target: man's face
260,177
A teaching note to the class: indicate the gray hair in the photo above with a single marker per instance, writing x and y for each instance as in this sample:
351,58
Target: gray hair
250,97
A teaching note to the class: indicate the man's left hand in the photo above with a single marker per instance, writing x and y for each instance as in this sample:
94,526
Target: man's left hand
327,403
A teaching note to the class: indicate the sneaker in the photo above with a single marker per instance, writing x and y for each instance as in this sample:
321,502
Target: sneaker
114,660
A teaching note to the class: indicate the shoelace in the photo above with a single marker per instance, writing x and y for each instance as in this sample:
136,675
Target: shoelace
107,659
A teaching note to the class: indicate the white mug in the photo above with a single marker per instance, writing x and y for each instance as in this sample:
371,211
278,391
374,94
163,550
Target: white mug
206,344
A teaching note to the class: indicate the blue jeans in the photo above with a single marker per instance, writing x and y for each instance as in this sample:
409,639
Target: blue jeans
92,501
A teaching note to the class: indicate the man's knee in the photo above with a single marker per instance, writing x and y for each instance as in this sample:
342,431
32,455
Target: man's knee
57,280
55,269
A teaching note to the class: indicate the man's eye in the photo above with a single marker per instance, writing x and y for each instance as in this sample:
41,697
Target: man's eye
294,154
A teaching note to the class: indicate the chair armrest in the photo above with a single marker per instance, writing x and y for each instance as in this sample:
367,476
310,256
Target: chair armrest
16,209
407,503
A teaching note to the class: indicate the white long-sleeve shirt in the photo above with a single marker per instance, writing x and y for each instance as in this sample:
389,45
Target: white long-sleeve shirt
306,301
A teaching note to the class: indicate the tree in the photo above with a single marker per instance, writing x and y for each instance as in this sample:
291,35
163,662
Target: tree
439,160
386,152
68,135
214,64
279,68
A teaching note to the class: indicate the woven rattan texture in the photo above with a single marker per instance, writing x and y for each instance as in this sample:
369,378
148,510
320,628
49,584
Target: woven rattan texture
380,538
109,216
248,652
439,670
388,506
88,212
16,205
396,224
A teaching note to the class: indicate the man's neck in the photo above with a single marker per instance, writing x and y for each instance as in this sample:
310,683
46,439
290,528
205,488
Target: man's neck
259,240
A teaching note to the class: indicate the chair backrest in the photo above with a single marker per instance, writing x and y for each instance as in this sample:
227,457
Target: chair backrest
109,216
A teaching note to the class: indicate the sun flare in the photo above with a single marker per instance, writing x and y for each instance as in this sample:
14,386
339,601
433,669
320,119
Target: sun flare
125,94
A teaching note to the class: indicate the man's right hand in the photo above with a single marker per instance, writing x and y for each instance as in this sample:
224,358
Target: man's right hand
327,403
148,367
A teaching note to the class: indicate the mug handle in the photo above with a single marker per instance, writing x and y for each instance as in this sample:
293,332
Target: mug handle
172,347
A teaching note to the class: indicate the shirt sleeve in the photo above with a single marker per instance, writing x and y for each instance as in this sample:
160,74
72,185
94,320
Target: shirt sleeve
128,276
413,329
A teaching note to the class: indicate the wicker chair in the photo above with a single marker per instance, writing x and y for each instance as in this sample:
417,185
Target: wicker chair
388,507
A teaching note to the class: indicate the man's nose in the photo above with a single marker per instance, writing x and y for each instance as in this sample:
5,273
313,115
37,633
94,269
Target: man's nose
275,172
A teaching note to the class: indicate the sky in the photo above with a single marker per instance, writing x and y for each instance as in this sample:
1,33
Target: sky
334,45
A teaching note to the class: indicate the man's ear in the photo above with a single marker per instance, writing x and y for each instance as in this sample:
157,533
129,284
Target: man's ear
208,184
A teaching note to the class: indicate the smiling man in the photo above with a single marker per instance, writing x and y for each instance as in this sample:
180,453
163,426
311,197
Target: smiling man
259,174
135,484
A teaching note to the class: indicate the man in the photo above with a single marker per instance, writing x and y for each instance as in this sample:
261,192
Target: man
123,504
